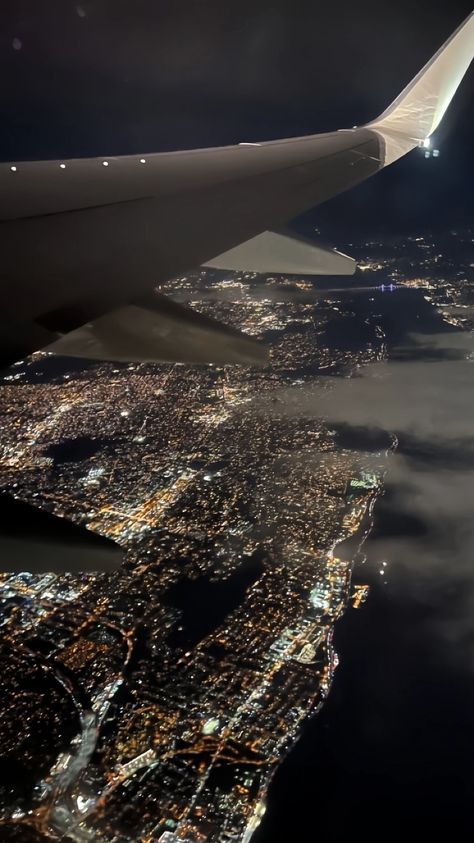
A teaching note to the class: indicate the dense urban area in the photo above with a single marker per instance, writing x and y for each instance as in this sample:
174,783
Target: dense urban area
155,703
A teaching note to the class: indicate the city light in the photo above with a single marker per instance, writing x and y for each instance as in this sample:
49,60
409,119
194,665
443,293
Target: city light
240,510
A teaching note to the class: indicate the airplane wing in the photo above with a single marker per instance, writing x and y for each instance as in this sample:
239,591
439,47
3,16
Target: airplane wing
85,241
418,110
162,329
35,540
83,238
284,253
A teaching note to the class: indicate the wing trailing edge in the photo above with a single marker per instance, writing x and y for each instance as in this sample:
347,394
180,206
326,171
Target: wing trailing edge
34,540
159,330
283,253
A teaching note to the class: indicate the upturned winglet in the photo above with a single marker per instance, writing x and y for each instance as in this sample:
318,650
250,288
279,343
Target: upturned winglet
419,108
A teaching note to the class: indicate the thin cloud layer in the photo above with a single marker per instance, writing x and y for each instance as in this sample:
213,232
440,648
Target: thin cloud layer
424,524
429,399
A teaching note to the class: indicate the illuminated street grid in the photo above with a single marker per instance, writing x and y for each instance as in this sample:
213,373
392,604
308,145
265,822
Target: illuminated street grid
167,693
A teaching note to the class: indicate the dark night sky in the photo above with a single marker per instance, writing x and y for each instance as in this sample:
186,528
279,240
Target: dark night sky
111,76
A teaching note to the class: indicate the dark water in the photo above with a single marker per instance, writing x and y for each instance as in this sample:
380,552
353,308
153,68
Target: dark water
75,449
369,439
205,604
391,754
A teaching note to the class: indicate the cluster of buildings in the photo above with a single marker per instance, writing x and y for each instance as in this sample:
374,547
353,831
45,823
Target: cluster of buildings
203,657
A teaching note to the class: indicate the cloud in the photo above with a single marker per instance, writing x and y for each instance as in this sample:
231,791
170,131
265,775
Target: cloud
424,524
430,481
433,400
431,551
